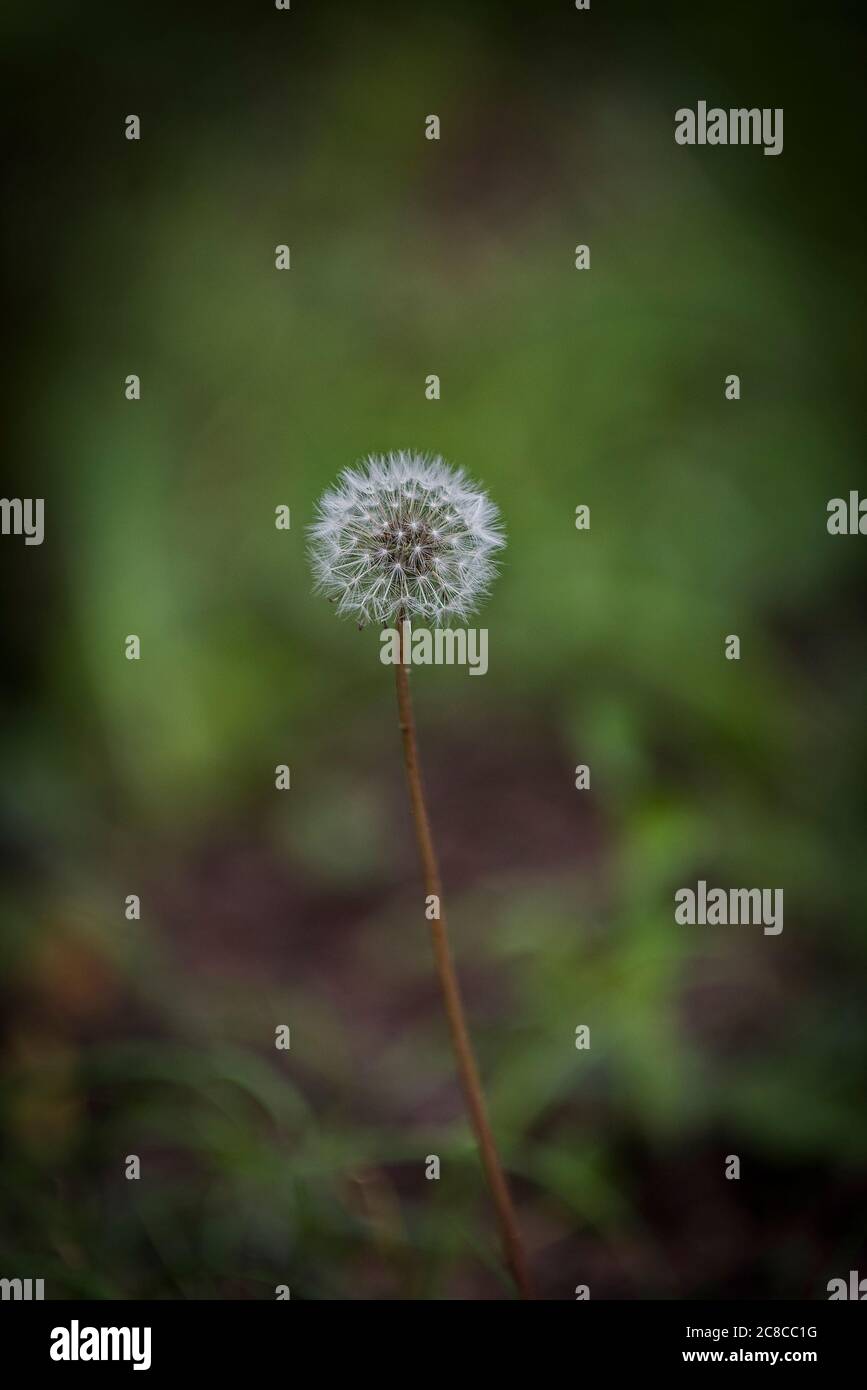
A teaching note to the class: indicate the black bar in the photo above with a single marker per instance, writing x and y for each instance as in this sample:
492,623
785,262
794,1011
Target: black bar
231,1338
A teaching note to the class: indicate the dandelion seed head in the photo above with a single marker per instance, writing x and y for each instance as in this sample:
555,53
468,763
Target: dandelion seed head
403,532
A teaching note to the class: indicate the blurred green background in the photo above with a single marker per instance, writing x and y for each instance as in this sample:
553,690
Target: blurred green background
559,387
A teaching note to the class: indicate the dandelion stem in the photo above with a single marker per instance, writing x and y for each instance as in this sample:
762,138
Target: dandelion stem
468,1070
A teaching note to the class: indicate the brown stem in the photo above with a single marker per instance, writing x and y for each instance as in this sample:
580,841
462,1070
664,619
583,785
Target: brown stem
467,1067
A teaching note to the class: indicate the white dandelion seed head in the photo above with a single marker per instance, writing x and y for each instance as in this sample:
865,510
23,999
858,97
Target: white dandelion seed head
403,533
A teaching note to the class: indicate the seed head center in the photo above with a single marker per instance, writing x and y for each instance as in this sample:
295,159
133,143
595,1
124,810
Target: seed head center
407,544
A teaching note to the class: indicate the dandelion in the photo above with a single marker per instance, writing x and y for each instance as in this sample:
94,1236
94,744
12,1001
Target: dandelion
405,534
406,537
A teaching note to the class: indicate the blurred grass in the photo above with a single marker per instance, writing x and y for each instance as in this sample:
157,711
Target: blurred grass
558,387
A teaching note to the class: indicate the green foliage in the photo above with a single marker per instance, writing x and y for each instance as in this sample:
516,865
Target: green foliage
559,387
